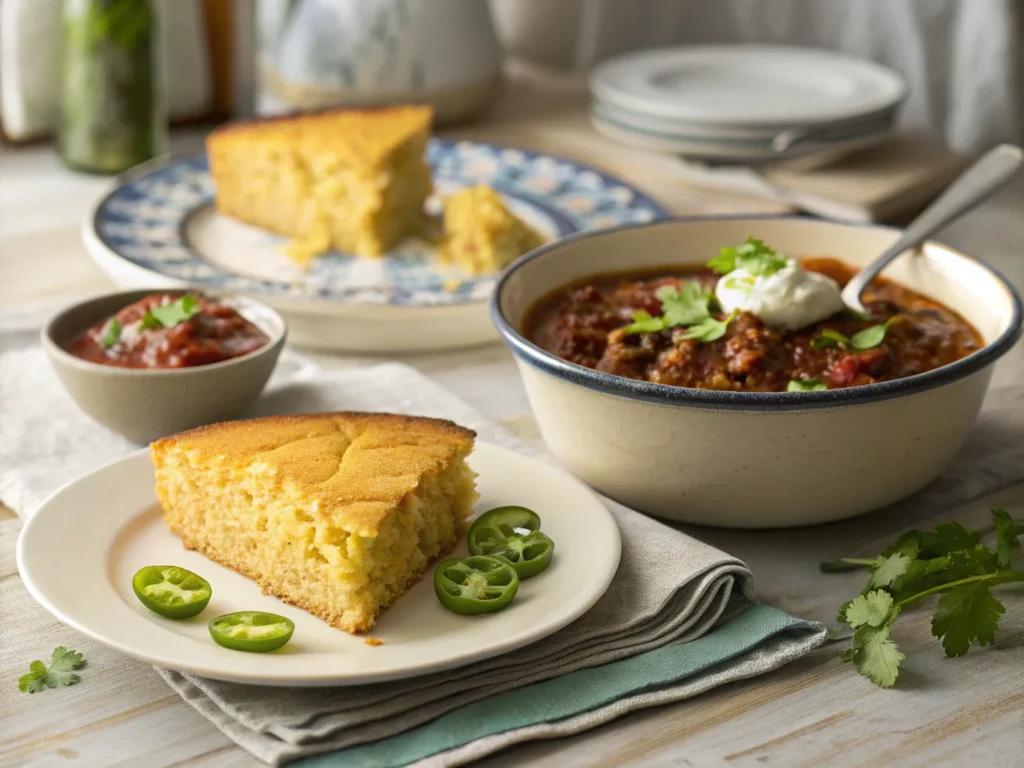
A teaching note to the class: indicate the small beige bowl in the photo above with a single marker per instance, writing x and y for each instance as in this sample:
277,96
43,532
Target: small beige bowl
146,404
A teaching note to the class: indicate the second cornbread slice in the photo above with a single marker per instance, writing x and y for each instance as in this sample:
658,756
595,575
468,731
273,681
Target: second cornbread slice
353,180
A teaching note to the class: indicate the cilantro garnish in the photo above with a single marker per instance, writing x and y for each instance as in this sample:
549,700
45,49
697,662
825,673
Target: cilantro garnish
866,339
687,305
169,315
754,256
829,338
871,337
644,322
949,562
710,329
60,672
806,385
112,334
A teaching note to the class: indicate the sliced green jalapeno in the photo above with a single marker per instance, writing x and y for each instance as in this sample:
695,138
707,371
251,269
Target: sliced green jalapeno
171,591
529,555
253,631
475,585
498,524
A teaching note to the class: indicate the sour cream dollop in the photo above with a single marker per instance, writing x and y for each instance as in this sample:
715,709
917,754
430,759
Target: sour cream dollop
792,298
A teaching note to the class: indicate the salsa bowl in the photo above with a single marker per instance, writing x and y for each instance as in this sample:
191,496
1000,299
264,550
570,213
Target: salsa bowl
755,459
144,404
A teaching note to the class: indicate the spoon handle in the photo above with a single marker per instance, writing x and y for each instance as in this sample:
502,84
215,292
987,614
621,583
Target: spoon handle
984,177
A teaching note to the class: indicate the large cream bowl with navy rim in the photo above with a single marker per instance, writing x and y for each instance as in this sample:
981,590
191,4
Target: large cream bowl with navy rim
744,459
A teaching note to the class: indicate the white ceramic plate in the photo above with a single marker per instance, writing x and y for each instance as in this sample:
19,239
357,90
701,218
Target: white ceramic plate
157,227
78,553
732,85
729,145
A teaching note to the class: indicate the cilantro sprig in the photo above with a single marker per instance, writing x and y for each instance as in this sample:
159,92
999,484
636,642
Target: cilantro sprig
688,305
63,662
169,315
866,339
710,329
949,562
753,255
112,333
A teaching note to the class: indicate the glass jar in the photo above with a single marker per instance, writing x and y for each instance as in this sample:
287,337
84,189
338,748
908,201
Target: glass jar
113,114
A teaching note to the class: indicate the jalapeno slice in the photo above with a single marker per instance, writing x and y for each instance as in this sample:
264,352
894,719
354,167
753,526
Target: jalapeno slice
498,524
252,631
475,585
171,591
529,555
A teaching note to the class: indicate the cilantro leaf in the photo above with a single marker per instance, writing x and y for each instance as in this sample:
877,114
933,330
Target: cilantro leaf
948,537
888,570
687,305
63,662
1006,537
919,576
753,255
112,333
966,615
871,337
169,315
806,385
643,322
871,609
710,329
829,338
908,544
875,655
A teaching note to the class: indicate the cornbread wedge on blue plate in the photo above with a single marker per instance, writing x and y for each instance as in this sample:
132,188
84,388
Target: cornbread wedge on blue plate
336,513
481,234
352,180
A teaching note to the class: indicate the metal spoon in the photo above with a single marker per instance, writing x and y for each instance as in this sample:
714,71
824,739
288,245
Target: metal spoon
989,173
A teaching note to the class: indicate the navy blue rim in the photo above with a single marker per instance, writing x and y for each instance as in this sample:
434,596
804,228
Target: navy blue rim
146,169
663,394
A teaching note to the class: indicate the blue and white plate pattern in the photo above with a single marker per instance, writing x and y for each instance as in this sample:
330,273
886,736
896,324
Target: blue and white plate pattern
162,220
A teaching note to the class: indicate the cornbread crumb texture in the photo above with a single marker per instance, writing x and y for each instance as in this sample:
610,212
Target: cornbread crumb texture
355,467
374,641
354,180
336,513
481,234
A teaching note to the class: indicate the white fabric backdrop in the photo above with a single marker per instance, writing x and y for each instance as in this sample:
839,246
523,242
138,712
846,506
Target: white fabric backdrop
964,59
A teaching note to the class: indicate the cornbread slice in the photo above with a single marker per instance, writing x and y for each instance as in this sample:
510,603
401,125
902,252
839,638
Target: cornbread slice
354,180
481,234
337,513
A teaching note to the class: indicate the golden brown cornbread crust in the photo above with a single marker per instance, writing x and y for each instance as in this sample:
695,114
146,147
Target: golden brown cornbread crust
356,467
363,136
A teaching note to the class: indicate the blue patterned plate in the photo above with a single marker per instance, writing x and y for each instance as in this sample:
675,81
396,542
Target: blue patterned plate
159,227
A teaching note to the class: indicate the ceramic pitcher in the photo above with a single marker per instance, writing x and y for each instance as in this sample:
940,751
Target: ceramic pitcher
323,53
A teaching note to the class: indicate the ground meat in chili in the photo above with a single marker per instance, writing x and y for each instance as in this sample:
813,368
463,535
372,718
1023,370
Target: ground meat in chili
583,322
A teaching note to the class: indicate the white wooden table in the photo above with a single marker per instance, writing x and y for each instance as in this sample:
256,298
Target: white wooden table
815,712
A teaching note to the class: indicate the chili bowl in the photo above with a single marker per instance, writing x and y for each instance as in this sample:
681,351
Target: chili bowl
144,404
755,459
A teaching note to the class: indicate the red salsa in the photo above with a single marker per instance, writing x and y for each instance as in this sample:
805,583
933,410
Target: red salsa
167,331
583,323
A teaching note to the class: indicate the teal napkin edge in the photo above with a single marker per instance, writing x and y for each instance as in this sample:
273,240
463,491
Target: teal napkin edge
568,695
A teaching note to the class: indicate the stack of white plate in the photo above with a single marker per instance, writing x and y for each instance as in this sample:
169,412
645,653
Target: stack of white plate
745,103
